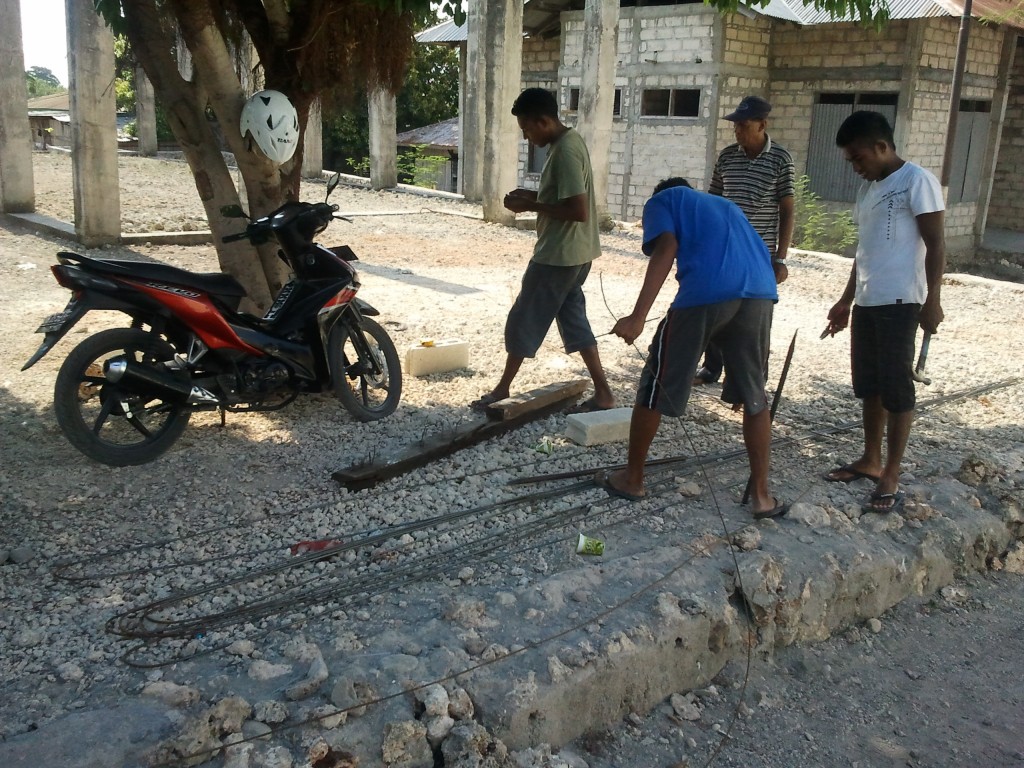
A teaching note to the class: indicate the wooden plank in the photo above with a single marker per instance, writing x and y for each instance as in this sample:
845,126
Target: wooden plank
513,407
437,446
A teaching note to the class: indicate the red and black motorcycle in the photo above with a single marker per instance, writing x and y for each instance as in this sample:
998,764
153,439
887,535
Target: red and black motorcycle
123,396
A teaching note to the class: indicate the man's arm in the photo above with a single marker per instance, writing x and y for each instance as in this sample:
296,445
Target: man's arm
931,226
839,315
787,220
575,208
658,268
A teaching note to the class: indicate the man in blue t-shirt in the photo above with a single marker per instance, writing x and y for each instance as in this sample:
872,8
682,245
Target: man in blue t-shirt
726,294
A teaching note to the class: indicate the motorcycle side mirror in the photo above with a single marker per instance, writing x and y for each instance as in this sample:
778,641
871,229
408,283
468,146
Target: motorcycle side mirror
332,184
233,212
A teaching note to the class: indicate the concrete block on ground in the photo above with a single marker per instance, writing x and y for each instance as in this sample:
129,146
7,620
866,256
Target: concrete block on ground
438,357
599,427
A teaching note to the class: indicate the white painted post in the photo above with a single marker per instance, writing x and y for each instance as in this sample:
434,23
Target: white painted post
17,185
503,35
597,90
471,127
313,144
383,139
93,125
145,114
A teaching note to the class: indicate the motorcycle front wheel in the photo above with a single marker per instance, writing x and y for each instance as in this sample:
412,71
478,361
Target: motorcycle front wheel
108,422
365,369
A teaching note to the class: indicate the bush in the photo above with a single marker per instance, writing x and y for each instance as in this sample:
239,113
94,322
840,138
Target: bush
817,228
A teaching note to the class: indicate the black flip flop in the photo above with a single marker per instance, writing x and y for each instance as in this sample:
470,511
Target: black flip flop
854,474
898,499
589,406
777,511
484,402
603,480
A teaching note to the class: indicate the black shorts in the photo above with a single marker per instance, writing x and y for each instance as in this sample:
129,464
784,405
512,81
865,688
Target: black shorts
882,354
549,294
741,328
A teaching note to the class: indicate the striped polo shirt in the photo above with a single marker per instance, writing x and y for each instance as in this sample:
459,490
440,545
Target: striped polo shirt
756,185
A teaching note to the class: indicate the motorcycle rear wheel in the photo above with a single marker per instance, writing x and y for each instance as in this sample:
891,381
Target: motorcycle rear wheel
368,388
110,423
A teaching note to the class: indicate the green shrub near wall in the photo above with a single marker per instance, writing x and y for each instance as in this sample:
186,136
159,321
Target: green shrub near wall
817,228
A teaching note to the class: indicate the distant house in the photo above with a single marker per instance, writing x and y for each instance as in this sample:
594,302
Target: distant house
50,120
681,66
434,152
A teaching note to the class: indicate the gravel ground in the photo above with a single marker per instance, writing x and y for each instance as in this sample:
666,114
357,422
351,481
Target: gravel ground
246,492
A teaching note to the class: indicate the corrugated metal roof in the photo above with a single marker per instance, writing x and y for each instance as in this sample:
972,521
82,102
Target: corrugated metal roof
1000,11
445,32
443,135
795,10
51,101
539,17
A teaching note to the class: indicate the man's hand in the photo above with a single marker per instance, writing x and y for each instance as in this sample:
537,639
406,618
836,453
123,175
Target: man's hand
781,272
838,317
519,200
628,328
930,317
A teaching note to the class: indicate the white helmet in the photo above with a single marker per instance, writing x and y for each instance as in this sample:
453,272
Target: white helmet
273,123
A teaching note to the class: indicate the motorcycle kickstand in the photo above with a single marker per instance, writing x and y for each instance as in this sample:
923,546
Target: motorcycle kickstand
223,417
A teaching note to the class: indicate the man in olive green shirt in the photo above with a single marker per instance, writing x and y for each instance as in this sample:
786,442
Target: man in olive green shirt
567,243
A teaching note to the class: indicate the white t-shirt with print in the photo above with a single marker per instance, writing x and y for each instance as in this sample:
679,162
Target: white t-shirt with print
890,254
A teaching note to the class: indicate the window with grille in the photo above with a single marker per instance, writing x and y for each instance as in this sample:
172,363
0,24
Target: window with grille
670,102
574,101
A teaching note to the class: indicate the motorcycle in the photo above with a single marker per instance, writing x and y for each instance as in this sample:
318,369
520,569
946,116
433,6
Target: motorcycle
124,396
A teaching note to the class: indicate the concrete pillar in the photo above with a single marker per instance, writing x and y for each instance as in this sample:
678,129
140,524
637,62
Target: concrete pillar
313,144
503,42
1000,100
93,125
145,114
597,90
17,186
383,139
461,169
471,128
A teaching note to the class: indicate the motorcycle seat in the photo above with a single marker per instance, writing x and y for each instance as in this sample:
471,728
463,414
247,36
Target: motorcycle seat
216,283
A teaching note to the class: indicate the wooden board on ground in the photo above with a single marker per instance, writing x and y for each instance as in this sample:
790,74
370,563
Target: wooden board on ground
513,407
517,411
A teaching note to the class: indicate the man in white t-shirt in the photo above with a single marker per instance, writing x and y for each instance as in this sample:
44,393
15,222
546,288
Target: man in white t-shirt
894,287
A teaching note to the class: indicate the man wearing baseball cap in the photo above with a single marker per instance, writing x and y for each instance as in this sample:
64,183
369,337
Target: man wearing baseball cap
758,175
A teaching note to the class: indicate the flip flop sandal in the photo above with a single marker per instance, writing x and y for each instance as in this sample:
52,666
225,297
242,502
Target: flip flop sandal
777,511
603,480
854,474
589,406
896,503
483,403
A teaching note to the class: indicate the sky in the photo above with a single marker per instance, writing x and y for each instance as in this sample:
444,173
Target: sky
44,37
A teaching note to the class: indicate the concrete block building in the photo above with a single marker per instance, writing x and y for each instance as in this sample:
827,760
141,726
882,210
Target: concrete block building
681,66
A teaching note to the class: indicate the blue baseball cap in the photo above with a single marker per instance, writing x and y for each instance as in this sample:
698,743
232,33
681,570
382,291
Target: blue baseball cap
751,108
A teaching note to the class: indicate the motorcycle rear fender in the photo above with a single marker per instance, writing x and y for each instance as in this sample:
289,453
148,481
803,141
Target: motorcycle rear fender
85,301
365,309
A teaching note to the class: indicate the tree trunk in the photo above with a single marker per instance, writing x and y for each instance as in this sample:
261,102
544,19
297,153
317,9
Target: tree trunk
185,102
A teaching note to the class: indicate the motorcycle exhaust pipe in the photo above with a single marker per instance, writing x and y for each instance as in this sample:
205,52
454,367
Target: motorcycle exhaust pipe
122,370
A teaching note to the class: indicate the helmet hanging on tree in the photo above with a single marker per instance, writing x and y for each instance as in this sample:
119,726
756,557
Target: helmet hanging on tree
273,123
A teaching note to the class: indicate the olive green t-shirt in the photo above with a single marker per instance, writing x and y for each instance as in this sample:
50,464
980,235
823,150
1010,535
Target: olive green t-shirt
567,173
